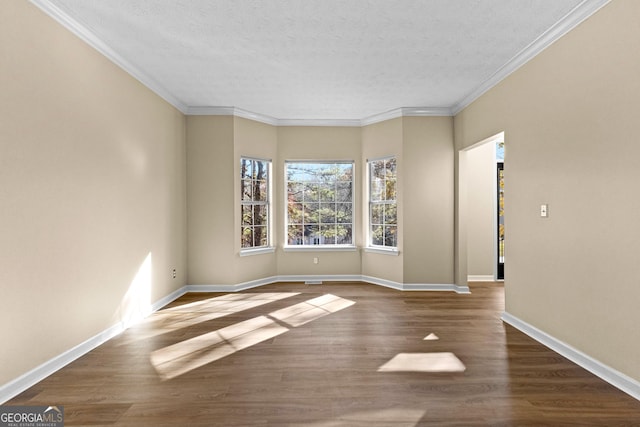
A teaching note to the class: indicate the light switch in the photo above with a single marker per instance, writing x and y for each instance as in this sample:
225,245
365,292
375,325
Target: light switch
544,211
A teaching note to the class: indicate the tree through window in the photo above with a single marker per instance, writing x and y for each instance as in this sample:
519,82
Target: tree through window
254,187
383,207
319,203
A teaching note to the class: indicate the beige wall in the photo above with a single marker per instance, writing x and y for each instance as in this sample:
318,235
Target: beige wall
385,139
210,196
427,199
93,212
213,141
317,143
215,145
481,199
258,140
571,126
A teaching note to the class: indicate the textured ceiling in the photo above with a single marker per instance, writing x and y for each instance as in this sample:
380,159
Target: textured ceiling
315,59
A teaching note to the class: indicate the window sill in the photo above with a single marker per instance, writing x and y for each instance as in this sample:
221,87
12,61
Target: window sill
381,250
257,251
320,248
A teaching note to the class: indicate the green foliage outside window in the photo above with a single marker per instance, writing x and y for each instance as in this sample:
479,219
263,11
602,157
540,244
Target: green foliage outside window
319,203
254,188
383,208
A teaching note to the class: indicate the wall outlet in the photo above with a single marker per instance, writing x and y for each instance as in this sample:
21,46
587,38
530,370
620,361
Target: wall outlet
316,260
173,273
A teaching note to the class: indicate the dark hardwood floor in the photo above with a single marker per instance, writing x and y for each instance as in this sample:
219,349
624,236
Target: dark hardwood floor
336,354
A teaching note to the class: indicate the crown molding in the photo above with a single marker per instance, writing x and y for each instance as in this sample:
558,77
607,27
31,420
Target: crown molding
231,111
577,15
92,40
392,114
407,112
320,122
382,117
239,112
571,20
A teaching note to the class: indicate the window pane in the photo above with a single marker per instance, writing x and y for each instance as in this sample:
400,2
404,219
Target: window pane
328,233
390,190
294,234
390,214
344,192
295,213
377,214
245,189
254,196
377,237
328,213
260,236
260,170
383,212
390,166
247,237
312,235
247,215
311,213
344,234
245,168
377,189
345,172
311,192
295,191
377,169
325,191
260,215
390,236
260,191
344,212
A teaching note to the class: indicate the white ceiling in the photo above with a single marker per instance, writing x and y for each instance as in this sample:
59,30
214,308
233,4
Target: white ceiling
320,59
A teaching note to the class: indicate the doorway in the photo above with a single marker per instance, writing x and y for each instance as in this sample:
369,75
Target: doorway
481,204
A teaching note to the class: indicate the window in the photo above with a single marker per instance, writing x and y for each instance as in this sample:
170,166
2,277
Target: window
319,203
383,207
255,201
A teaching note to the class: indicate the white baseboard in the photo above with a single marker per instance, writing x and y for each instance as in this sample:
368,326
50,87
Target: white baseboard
34,376
481,278
29,379
605,372
330,278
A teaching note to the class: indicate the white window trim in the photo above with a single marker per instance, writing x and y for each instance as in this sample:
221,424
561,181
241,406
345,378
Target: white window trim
384,250
270,248
326,248
319,248
369,247
257,251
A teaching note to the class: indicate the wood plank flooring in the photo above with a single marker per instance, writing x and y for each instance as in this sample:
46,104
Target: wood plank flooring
309,355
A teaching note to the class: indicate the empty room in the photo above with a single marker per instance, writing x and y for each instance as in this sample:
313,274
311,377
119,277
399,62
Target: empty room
319,213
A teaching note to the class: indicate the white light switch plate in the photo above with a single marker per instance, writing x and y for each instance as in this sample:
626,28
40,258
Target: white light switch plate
544,211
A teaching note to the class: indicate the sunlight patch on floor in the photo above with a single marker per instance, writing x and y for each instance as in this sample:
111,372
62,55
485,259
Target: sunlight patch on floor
305,312
186,315
423,362
230,301
185,356
381,417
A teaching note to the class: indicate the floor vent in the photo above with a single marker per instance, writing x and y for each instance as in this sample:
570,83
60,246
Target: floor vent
313,282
